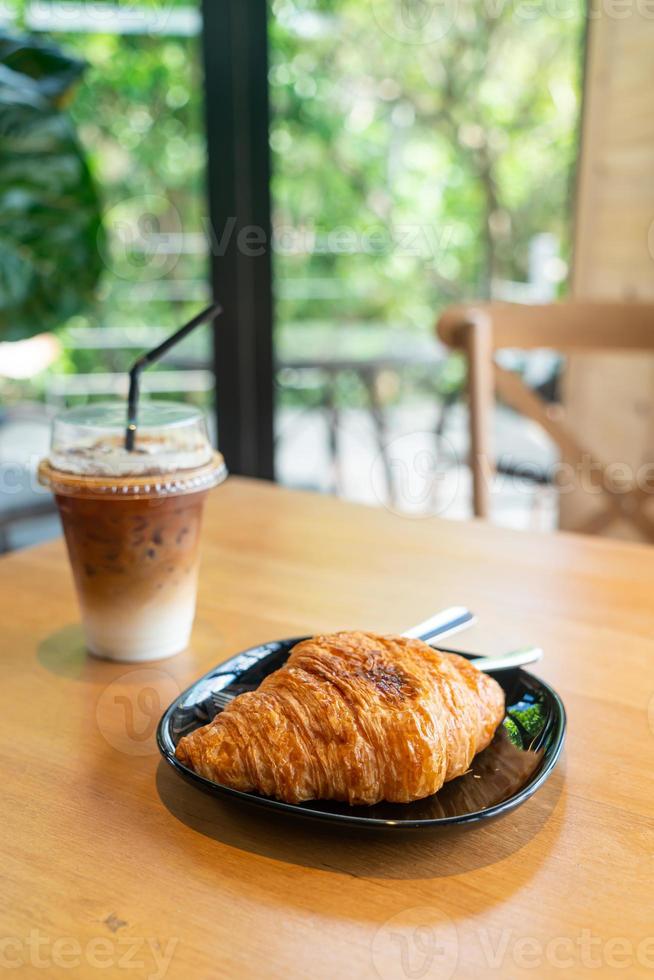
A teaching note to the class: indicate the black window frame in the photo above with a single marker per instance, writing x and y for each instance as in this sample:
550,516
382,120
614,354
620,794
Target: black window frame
237,116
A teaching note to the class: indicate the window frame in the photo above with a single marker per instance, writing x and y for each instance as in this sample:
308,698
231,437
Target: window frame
237,117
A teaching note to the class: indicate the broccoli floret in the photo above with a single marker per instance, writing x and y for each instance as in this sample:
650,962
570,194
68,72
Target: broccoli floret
513,732
529,720
532,719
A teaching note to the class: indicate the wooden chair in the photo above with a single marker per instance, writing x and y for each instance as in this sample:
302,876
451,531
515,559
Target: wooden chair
571,327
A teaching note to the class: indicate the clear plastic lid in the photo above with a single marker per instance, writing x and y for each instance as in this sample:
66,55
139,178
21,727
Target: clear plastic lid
88,450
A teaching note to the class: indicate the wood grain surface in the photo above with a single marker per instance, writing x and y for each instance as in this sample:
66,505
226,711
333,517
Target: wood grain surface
110,865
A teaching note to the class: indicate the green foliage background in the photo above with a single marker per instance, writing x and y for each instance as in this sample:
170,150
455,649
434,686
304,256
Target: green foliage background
468,142
470,139
139,116
49,208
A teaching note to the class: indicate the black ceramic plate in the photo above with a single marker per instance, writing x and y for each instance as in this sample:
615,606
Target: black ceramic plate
520,758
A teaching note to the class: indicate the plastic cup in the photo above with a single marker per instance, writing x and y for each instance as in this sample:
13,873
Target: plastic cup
132,522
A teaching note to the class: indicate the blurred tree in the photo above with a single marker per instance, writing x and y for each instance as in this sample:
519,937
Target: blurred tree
442,136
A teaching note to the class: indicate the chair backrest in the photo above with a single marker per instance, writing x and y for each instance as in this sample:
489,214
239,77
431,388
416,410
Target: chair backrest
569,326
481,329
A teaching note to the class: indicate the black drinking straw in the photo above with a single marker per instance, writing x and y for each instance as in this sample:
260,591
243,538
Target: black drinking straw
145,360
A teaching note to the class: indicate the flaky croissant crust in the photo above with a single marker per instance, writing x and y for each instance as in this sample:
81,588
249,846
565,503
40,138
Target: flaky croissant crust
356,717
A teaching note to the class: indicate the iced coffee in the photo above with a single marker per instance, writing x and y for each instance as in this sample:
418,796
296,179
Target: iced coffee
132,522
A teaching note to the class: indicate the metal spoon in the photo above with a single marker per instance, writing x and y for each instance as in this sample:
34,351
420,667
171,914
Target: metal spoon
508,661
443,623
457,618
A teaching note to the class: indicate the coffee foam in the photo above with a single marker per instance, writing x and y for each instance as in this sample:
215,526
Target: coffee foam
153,456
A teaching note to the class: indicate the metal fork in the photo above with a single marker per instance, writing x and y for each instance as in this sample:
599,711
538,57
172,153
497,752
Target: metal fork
505,661
444,623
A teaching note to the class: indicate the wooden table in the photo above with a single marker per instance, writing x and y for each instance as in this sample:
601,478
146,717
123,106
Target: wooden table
108,859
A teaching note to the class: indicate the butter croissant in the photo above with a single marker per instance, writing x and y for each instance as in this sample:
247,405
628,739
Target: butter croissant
355,717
